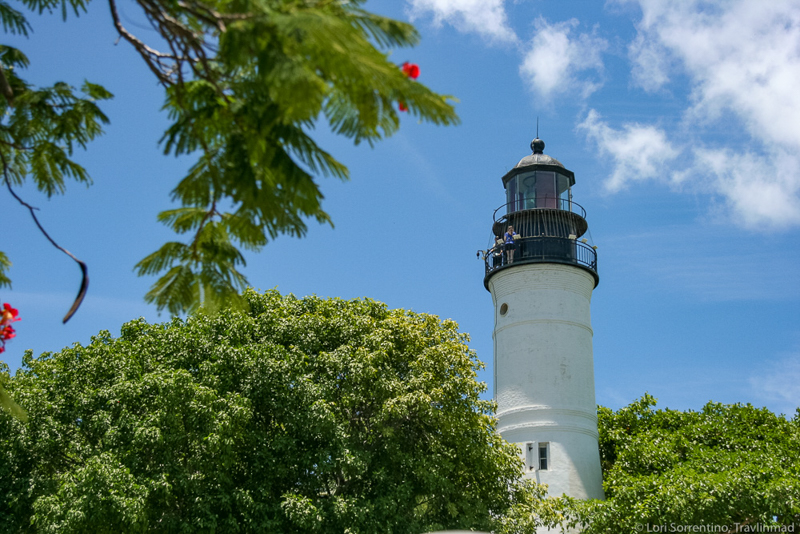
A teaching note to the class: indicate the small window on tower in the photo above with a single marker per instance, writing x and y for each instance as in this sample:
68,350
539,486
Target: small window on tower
544,457
504,309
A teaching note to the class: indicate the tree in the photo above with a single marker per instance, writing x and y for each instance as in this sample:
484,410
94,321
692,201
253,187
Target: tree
246,81
729,466
8,315
298,415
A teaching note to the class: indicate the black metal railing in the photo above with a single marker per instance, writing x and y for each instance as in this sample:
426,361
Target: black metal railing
529,203
541,250
554,218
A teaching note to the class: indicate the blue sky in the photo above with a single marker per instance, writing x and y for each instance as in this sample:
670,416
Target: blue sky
680,119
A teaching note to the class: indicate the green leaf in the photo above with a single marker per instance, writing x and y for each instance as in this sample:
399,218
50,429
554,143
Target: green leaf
5,264
7,404
13,21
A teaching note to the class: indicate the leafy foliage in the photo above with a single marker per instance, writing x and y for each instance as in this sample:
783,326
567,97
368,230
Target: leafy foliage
5,264
294,416
40,127
246,82
7,404
726,465
250,82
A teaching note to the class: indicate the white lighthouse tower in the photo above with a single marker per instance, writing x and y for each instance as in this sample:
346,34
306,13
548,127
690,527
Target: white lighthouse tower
541,284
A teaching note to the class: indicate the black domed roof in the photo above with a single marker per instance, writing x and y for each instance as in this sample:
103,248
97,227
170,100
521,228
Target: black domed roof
539,161
538,157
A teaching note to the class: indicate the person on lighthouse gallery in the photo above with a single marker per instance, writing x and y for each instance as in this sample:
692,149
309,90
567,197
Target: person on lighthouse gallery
497,251
511,244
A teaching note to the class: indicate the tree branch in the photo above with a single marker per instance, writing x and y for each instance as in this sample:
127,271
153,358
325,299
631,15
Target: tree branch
209,214
15,146
205,13
145,51
5,88
84,270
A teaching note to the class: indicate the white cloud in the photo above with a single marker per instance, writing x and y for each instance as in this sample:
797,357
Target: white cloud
741,59
758,191
485,17
638,152
779,383
761,192
555,58
650,63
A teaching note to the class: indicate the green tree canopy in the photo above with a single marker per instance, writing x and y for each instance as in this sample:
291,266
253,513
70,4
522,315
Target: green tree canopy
246,82
732,466
298,415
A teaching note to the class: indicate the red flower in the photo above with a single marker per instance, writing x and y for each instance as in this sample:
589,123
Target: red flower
411,70
7,333
7,316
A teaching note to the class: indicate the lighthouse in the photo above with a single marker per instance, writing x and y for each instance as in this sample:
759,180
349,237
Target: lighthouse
541,269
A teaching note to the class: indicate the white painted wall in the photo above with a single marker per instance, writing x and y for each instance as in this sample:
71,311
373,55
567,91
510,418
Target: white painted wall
544,373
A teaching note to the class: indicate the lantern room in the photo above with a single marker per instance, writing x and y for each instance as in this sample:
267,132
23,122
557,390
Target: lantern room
540,222
538,181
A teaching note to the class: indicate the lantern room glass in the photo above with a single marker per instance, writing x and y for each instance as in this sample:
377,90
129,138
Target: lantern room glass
538,189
